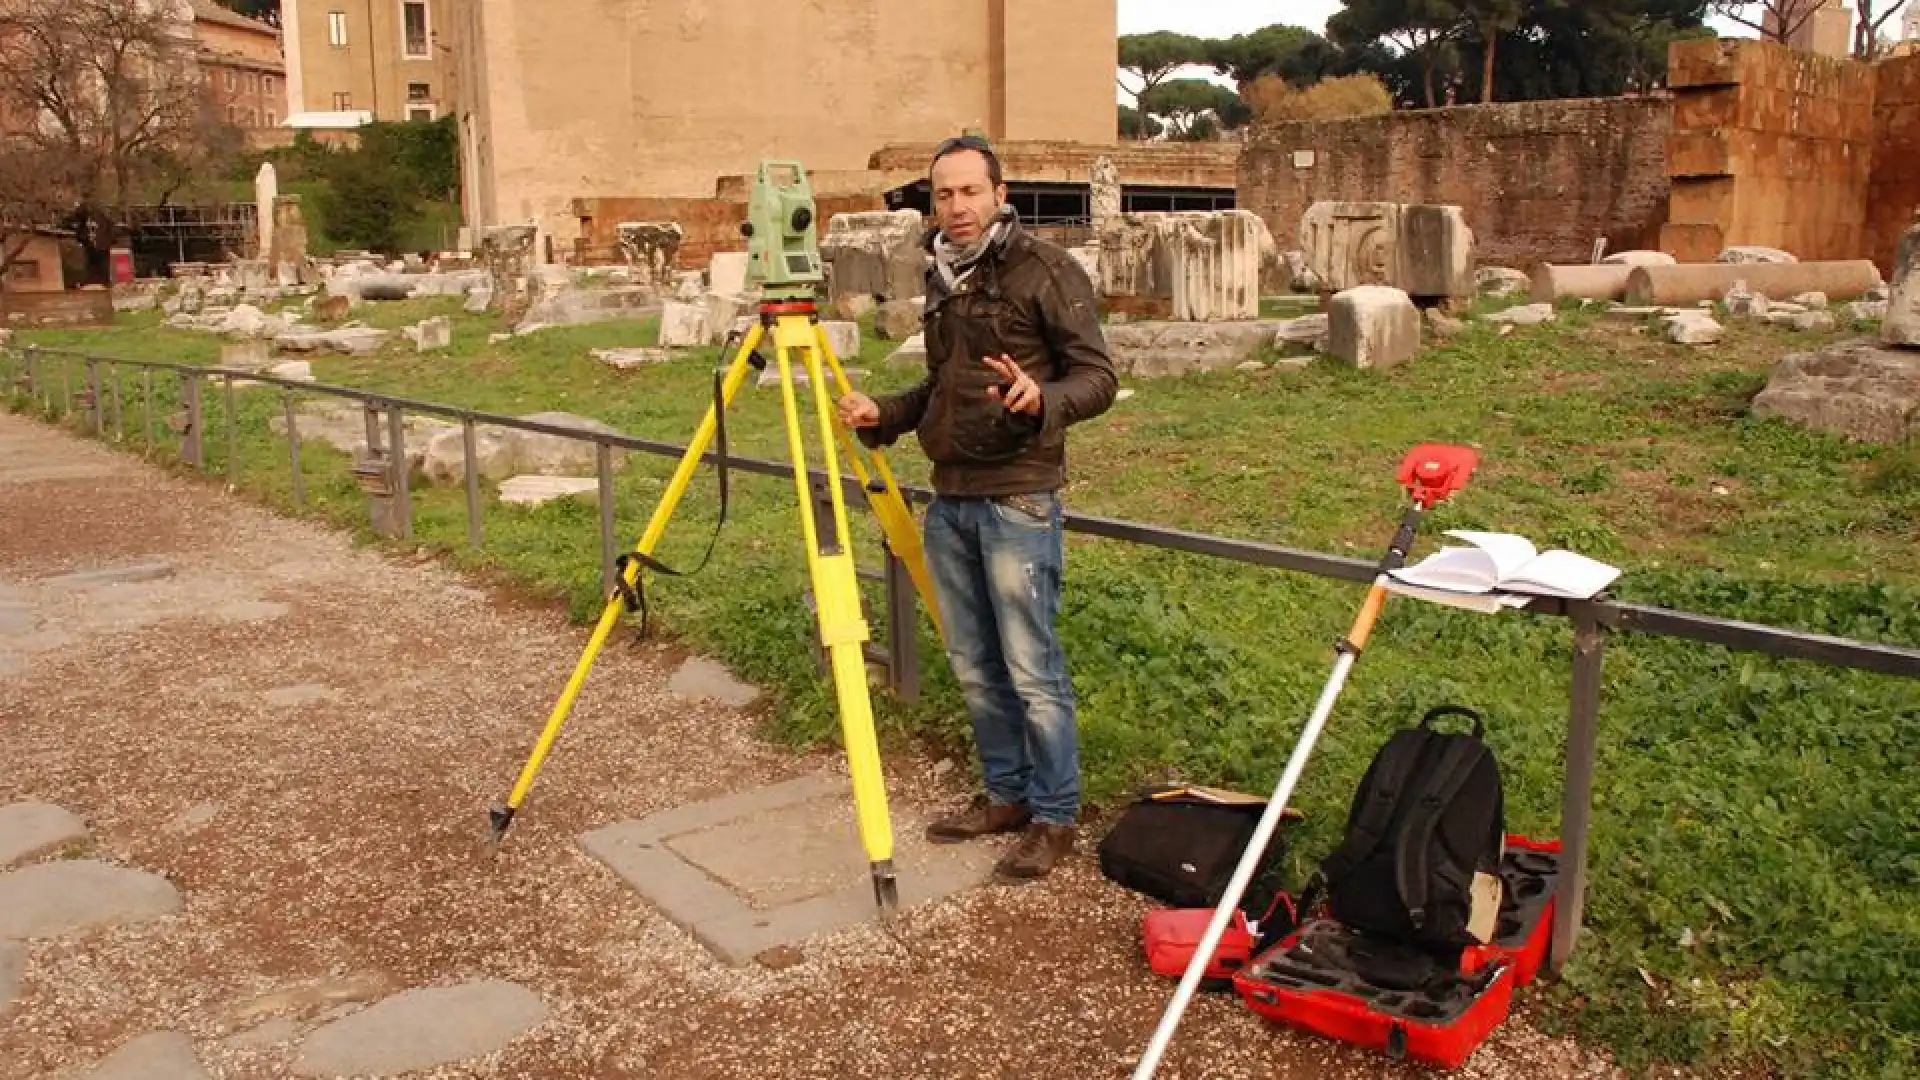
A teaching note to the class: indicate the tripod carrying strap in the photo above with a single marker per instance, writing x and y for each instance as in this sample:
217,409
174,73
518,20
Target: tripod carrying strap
635,594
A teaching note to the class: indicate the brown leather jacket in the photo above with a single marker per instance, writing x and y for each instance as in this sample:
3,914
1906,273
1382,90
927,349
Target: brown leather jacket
1031,300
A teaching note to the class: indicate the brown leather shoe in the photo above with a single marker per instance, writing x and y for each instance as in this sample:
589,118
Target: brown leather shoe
1036,853
982,817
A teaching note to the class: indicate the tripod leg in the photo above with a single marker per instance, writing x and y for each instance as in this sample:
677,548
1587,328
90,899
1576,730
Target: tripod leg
836,588
501,817
889,505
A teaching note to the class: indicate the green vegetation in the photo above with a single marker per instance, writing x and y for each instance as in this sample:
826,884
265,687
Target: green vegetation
1755,892
393,191
1423,53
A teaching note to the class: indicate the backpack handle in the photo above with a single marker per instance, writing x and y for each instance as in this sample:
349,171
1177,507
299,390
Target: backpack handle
1479,725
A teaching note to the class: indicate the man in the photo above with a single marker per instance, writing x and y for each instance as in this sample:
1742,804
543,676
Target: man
1015,356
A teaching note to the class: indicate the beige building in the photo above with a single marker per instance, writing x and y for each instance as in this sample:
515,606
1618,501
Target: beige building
34,264
586,99
240,61
1828,31
351,61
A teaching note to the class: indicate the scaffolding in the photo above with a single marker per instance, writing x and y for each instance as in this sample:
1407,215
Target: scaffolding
163,234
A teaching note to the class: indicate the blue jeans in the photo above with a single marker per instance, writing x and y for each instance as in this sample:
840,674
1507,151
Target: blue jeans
997,570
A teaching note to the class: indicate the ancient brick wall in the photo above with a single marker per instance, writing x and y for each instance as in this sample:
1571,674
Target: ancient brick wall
1771,147
1538,181
1038,161
1893,191
74,307
708,225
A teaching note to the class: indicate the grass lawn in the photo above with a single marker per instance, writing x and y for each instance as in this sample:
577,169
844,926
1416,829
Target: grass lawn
1756,847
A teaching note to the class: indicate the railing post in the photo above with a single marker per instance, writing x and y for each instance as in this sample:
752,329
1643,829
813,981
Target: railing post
603,470
119,403
903,629
146,396
95,419
1576,808
33,372
293,448
401,471
233,438
66,386
192,443
470,451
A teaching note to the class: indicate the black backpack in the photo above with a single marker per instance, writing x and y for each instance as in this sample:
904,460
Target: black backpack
1429,814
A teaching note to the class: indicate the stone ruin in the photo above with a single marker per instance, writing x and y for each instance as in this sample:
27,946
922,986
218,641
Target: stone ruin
506,251
1194,266
652,250
1425,251
1864,389
875,262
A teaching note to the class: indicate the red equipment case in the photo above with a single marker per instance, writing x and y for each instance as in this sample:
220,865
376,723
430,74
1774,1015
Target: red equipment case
1171,935
1529,876
1308,981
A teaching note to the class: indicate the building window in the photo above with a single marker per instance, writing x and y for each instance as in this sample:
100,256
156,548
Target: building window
422,113
233,79
233,114
267,82
419,91
413,22
337,28
273,119
342,102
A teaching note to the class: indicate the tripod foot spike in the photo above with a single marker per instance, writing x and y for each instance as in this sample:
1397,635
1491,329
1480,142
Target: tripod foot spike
498,820
886,888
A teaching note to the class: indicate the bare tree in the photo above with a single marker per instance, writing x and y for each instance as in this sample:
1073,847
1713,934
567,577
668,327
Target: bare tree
110,90
1774,20
36,189
1867,42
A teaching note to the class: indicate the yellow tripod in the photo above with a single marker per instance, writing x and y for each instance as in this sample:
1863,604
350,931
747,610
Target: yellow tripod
794,327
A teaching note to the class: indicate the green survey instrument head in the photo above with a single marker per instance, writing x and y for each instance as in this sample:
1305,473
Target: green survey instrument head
783,247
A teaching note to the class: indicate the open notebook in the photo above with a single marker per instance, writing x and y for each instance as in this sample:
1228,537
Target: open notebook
1500,570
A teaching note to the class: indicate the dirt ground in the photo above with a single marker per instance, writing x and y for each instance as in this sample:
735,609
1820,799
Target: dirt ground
304,737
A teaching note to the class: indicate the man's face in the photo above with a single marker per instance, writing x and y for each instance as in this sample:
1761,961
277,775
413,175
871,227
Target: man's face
964,195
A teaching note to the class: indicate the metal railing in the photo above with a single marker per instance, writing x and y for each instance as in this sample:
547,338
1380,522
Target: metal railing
385,472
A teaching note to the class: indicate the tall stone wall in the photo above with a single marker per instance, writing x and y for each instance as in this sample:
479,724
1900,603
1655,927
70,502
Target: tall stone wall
1893,192
1538,181
1771,147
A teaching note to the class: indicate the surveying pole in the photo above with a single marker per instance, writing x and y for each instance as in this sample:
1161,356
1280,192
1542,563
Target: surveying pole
784,261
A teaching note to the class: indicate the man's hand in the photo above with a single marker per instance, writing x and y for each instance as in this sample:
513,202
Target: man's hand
857,410
1024,397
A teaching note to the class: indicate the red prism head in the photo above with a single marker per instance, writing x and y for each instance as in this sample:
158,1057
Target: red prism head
1433,471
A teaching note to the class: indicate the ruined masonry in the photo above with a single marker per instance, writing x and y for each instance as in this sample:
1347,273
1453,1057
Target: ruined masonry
1188,266
1861,389
1424,251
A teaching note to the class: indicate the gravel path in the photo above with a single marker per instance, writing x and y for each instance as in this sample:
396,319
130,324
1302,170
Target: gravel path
303,738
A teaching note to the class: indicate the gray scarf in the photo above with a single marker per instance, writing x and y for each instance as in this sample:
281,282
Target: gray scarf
955,262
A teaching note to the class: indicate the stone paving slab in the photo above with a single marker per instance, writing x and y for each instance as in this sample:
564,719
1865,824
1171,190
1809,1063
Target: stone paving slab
17,617
13,966
50,899
776,865
33,474
163,1055
30,829
422,1029
128,574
